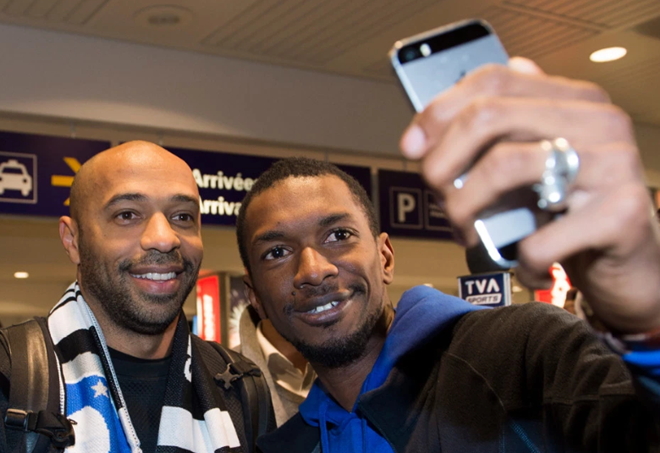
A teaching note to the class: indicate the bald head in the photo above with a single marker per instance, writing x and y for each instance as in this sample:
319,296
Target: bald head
127,158
135,234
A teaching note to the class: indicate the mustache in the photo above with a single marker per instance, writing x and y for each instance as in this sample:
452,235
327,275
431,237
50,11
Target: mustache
311,292
154,257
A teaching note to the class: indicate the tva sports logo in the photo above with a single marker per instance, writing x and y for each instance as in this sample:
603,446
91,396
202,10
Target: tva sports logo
486,289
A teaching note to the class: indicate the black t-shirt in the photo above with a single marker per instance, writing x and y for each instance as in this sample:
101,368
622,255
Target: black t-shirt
143,384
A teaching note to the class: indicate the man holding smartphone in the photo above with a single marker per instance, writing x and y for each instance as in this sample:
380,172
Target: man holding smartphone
438,374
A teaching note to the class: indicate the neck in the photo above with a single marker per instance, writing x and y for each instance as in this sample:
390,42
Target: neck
129,342
345,383
286,348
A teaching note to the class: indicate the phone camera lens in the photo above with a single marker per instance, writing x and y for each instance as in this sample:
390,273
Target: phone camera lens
410,54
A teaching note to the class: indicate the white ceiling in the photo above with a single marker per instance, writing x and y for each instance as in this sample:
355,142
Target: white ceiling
352,37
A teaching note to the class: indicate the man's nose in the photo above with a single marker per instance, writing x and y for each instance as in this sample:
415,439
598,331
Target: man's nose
159,235
313,268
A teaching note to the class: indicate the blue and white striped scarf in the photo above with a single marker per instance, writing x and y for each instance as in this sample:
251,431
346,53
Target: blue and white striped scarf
90,394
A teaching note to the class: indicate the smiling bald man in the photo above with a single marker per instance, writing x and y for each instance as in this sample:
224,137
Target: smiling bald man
134,377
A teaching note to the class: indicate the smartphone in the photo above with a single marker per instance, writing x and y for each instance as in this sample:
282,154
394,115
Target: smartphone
431,62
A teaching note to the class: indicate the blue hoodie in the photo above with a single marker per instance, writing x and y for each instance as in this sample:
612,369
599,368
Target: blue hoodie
421,313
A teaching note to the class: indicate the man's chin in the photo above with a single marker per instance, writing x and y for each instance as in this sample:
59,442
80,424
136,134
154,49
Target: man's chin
150,317
332,356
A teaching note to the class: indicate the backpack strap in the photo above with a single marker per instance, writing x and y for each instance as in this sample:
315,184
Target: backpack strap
247,377
34,389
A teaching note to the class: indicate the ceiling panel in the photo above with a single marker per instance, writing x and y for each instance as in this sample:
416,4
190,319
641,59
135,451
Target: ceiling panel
533,36
601,13
381,68
84,11
74,12
41,8
352,37
636,79
310,31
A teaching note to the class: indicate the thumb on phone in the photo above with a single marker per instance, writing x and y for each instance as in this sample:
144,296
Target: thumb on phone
524,66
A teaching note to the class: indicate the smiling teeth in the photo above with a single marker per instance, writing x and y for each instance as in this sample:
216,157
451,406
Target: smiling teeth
156,276
323,308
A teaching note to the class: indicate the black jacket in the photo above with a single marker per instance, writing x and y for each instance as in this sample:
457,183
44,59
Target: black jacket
10,439
528,378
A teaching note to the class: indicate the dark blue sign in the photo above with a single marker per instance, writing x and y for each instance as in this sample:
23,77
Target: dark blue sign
224,179
36,172
493,290
408,207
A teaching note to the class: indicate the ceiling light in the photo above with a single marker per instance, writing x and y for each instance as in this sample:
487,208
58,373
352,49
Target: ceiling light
608,54
516,289
164,17
21,275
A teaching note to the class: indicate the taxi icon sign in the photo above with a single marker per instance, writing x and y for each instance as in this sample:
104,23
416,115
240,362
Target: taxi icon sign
14,176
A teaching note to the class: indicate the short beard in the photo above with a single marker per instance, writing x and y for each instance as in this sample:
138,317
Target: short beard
119,305
340,352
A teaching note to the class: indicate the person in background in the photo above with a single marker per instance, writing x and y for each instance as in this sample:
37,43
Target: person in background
288,373
569,303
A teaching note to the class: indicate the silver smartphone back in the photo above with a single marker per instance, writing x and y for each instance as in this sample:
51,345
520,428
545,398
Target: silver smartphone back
431,62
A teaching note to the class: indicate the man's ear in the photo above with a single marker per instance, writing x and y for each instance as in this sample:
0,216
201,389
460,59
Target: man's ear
69,237
386,257
252,296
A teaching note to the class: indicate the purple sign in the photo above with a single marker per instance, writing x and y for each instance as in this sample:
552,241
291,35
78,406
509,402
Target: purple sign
408,207
36,172
224,179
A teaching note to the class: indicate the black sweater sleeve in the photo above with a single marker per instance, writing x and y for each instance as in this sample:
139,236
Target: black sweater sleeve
550,363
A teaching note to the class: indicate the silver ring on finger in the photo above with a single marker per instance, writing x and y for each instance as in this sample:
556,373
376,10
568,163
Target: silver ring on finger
561,169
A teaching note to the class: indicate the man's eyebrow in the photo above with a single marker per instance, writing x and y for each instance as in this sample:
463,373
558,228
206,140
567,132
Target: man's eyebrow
332,219
125,197
268,236
273,235
185,199
179,198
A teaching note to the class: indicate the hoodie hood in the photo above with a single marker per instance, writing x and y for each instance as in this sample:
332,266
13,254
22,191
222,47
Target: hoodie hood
422,313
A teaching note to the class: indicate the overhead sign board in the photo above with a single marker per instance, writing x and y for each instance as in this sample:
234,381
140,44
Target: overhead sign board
36,172
224,179
492,290
408,207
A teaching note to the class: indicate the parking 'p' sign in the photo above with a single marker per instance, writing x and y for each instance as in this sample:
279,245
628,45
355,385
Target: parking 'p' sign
408,207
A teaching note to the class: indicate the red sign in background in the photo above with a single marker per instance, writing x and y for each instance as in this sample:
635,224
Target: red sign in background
556,295
208,308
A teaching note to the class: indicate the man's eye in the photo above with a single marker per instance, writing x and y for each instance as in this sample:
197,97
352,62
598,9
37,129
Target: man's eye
339,235
276,253
186,218
126,215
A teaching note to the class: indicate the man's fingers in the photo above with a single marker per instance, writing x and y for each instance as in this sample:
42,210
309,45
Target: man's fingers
524,66
490,81
508,166
614,227
489,120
